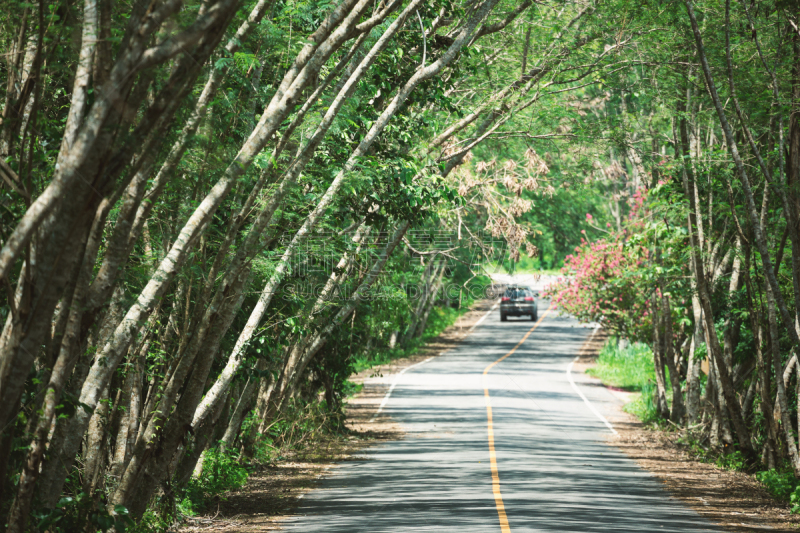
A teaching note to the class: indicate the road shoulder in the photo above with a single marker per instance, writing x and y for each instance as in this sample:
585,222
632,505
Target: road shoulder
733,500
273,492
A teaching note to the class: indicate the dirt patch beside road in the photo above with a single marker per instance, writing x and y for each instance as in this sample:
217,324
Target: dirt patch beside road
273,492
733,500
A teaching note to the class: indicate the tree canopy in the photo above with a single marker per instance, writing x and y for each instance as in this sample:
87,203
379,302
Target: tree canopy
212,209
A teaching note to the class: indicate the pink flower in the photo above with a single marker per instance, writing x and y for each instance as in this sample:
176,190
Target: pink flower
588,217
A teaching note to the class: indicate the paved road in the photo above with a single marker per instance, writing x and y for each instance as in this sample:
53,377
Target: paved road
556,472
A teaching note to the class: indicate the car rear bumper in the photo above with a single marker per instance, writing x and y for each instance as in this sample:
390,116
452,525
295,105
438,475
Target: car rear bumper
517,310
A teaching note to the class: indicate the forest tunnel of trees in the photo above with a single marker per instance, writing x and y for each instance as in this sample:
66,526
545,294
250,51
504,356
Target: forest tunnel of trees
212,208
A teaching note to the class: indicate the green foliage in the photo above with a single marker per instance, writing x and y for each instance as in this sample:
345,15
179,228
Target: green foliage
734,460
783,485
154,522
630,368
72,514
223,471
561,219
439,320
643,405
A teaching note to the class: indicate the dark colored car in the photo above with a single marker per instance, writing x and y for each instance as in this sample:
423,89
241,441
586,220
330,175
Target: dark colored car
518,301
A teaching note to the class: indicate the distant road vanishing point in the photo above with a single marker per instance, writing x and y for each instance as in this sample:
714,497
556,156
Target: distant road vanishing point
498,439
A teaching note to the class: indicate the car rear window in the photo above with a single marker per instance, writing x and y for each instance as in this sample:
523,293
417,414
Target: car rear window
517,293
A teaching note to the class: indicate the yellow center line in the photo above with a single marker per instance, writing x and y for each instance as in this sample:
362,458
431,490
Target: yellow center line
498,496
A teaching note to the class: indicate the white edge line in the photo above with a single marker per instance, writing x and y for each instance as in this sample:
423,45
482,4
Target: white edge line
478,323
394,384
585,399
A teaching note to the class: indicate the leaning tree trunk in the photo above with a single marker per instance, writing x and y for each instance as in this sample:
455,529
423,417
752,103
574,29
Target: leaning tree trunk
256,315
715,351
295,367
377,128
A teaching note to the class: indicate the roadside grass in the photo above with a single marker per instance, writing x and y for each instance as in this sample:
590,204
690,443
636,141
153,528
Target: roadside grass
629,368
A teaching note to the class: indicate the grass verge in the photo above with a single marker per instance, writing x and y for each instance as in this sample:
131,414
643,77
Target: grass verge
629,367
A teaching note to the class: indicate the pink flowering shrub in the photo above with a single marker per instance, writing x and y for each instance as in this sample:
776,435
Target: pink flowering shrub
606,281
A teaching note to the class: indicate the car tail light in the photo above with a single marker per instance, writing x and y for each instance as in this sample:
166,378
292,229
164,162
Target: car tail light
529,298
505,299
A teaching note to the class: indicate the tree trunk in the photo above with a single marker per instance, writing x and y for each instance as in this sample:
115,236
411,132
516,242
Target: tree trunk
243,406
678,411
431,300
742,432
427,282
658,358
693,372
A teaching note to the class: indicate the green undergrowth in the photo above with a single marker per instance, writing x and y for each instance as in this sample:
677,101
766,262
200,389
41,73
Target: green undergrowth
629,368
73,513
306,430
440,319
782,485
224,470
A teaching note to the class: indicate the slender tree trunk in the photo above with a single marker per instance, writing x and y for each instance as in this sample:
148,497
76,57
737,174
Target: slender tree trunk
427,279
658,358
129,424
95,450
431,300
742,432
678,411
693,372
761,243
243,406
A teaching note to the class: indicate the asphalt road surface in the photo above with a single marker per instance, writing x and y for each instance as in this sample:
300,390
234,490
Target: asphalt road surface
552,468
